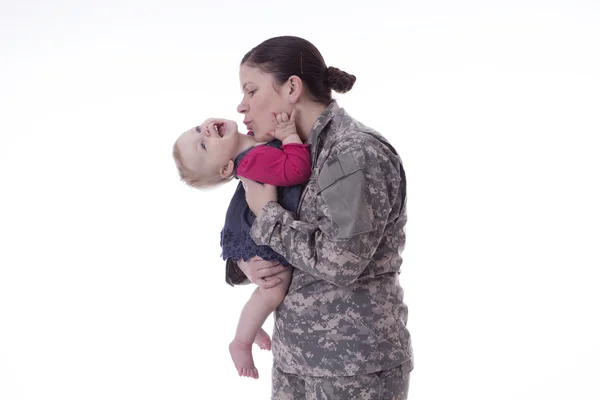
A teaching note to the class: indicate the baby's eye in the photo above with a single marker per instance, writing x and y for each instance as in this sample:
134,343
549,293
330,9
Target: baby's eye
203,145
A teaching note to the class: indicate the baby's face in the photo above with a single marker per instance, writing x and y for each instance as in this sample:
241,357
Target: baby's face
210,146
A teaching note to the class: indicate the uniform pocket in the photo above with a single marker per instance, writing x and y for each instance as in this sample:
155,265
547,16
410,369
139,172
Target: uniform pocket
342,186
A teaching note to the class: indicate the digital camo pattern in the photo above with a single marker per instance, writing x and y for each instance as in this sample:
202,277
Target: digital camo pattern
344,313
391,384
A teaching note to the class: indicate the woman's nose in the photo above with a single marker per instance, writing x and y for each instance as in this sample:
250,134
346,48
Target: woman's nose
242,108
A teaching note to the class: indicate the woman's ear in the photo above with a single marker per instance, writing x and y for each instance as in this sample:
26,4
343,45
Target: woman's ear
227,170
295,89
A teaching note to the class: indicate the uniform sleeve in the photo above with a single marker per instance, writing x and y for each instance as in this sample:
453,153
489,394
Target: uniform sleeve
355,195
285,166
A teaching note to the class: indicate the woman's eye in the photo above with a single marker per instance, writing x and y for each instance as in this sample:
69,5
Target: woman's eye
203,145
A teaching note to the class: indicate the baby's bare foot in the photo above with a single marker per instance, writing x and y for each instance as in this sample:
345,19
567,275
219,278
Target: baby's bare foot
241,354
263,340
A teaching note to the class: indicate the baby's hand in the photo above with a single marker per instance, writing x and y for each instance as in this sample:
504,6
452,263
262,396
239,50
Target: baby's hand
284,126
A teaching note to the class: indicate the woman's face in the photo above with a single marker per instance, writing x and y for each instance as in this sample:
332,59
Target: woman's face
260,101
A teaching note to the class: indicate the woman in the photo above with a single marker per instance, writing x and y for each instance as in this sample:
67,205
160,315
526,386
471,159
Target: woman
341,331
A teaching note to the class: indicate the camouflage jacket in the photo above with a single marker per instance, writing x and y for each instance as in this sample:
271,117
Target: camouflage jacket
344,313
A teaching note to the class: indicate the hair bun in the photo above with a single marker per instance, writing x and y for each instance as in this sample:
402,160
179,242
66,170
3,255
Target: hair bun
339,80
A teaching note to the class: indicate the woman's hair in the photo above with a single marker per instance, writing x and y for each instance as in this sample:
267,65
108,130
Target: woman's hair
198,179
284,56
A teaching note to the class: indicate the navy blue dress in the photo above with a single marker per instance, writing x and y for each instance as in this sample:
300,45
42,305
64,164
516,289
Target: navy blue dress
236,243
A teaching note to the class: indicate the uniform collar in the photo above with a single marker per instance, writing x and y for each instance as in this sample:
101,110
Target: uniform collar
322,121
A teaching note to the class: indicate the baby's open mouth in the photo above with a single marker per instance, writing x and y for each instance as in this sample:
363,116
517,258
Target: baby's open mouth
220,129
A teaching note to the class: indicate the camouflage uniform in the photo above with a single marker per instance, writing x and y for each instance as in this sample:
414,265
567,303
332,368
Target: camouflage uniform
391,384
344,316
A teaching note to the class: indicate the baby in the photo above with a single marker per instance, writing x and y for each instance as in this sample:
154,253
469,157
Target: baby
216,152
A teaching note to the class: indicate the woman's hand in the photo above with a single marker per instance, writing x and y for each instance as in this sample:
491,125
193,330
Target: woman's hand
261,272
257,195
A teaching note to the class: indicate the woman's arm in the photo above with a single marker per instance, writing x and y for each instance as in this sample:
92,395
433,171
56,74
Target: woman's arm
355,194
255,270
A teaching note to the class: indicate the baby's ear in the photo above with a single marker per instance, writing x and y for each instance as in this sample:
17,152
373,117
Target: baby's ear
227,169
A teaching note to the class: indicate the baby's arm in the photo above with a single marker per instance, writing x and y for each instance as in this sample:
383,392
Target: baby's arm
287,166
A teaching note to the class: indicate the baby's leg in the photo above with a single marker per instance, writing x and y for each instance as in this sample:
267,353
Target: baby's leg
262,303
262,339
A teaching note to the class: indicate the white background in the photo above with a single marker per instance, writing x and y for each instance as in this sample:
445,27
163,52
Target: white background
111,285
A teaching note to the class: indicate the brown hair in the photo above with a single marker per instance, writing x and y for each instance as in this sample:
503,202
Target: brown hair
284,56
198,179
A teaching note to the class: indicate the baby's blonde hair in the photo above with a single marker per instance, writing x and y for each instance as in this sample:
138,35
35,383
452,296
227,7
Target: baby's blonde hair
197,179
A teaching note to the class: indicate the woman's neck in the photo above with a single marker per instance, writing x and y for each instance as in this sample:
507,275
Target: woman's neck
308,112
